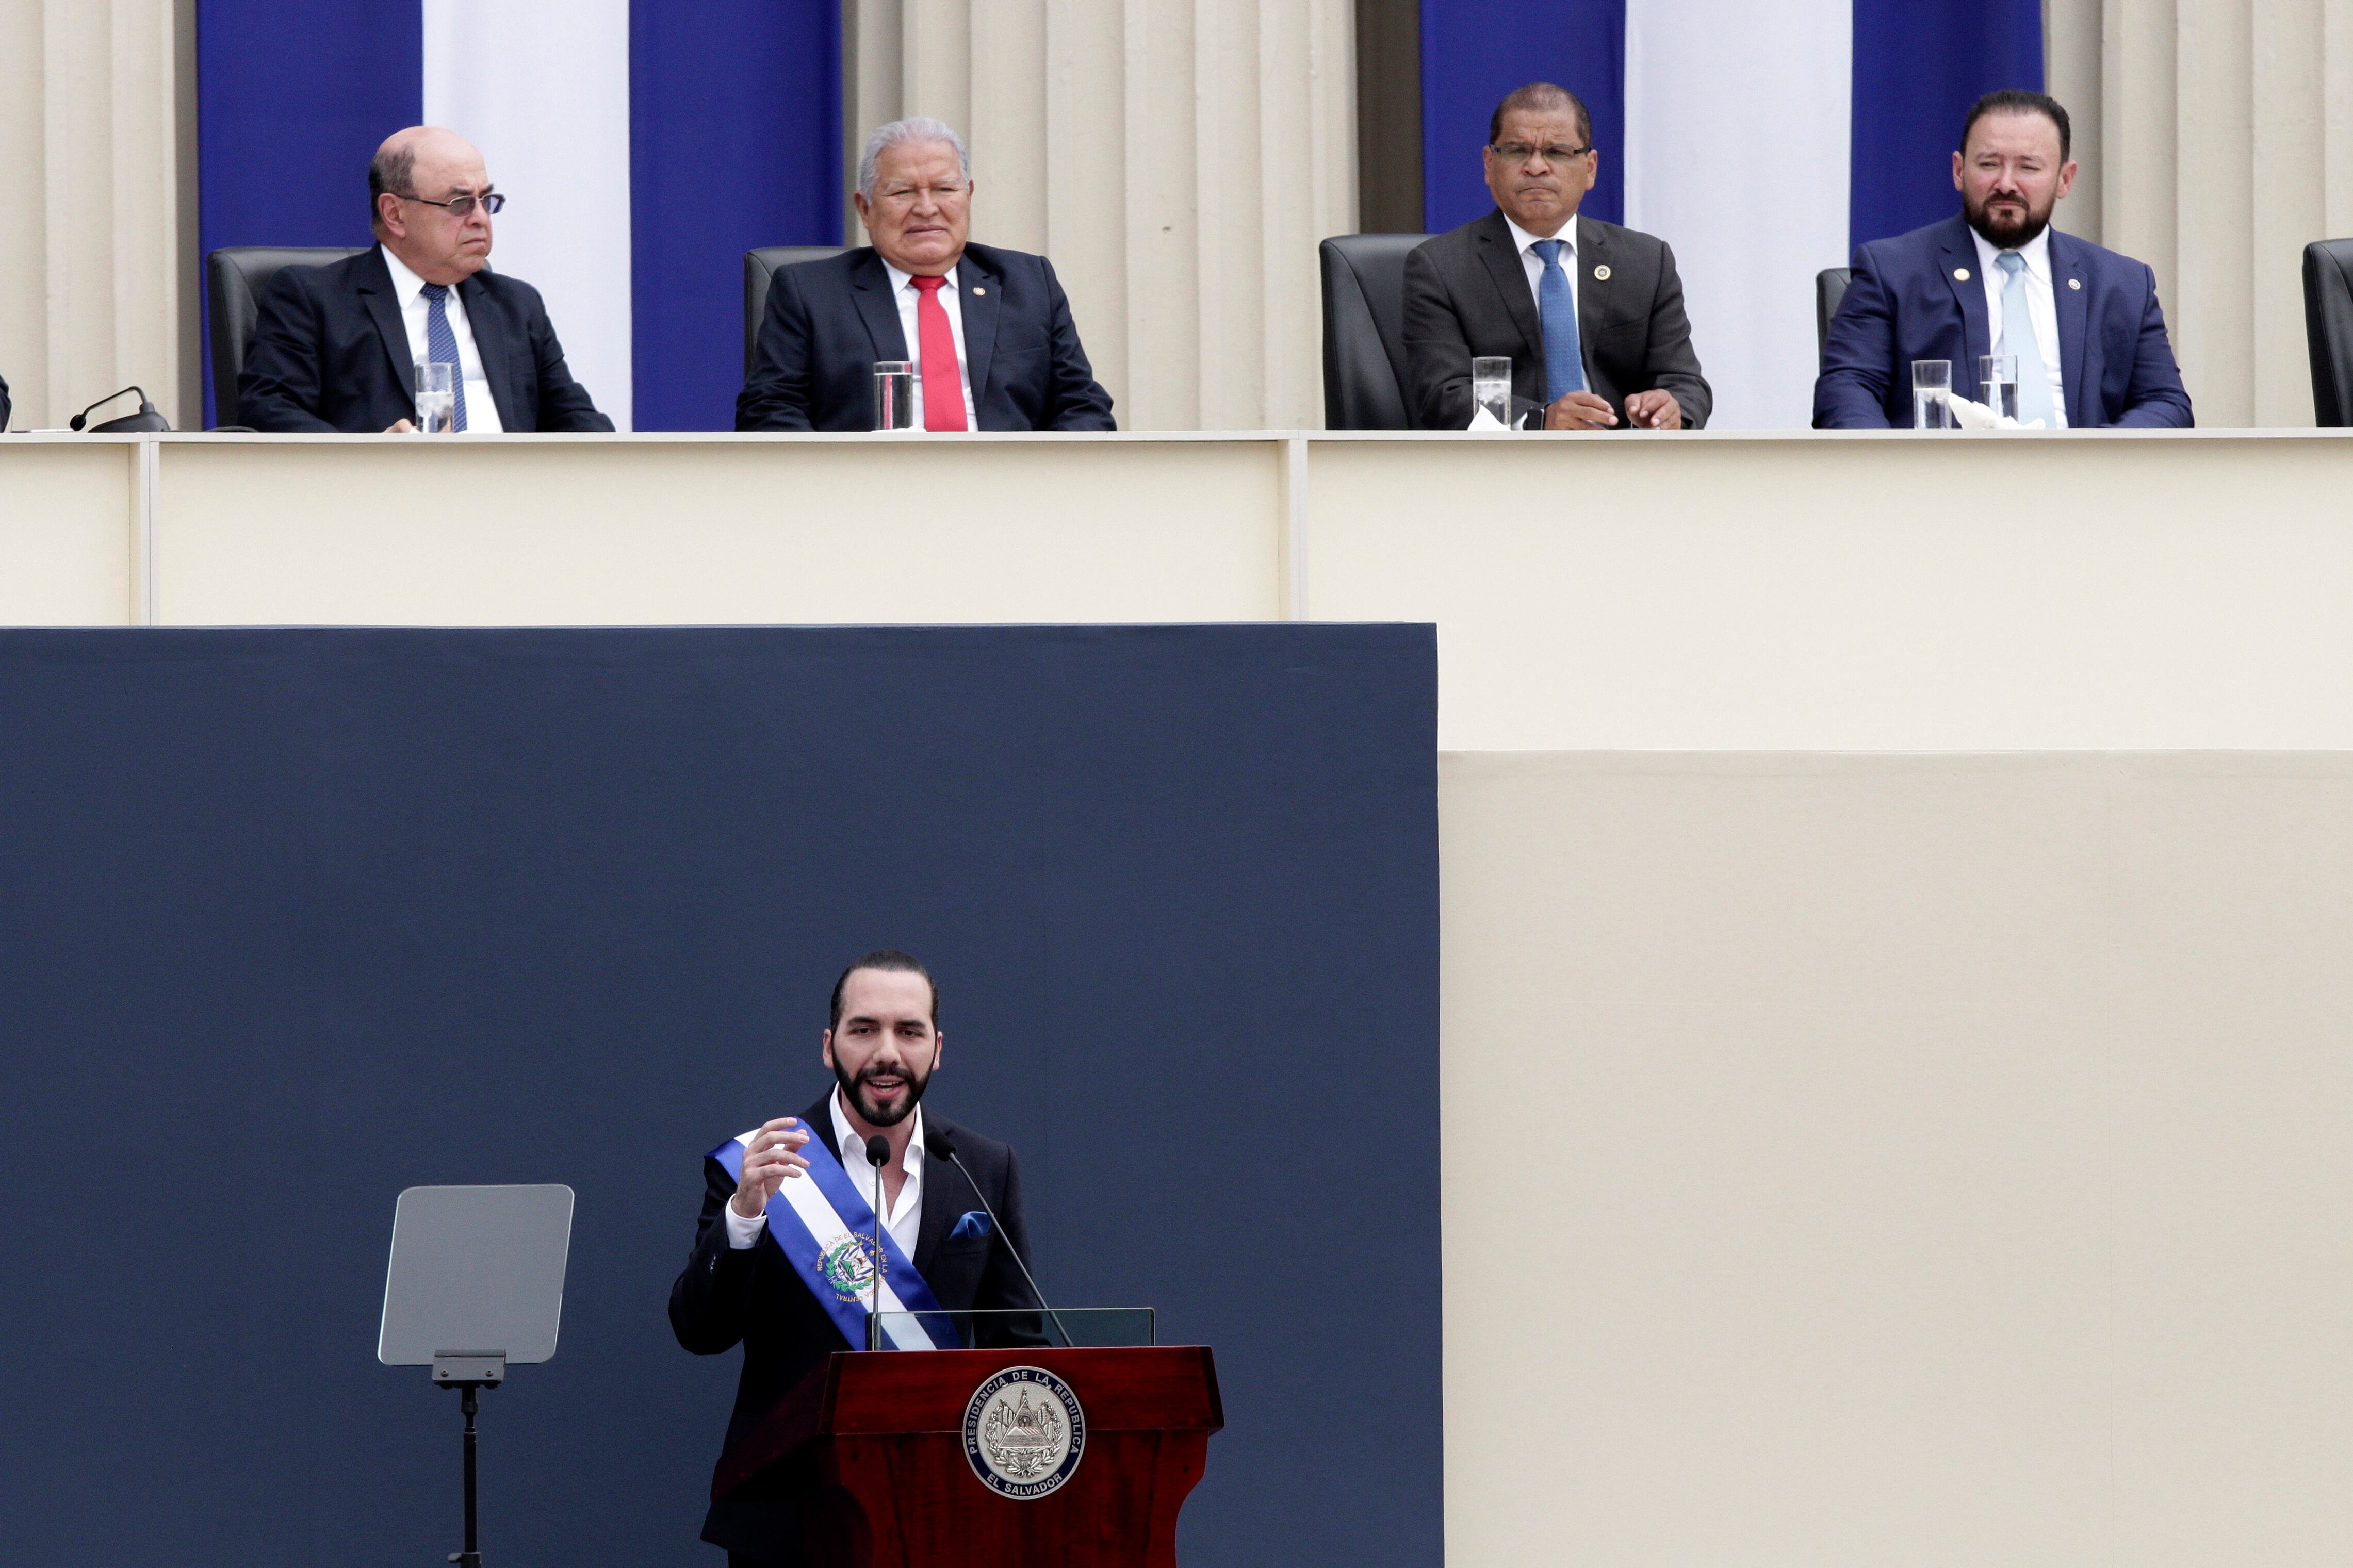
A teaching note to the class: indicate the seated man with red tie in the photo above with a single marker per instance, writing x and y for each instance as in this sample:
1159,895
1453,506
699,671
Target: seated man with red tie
989,331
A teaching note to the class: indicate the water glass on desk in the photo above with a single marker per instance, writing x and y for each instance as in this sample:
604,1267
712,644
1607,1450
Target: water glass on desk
894,395
1998,380
1932,389
1491,389
437,397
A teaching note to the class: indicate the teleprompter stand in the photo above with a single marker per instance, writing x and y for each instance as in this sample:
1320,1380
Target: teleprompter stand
480,1269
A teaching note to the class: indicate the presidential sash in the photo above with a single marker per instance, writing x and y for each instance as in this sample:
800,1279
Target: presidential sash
827,1232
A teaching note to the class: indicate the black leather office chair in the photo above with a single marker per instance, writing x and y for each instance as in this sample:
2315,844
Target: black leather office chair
2328,329
1365,386
761,264
1830,287
235,277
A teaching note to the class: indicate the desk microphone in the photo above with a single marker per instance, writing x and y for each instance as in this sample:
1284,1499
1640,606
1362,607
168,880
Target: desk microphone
943,1143
878,1155
148,417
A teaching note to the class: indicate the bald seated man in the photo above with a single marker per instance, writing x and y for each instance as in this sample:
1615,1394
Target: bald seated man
337,347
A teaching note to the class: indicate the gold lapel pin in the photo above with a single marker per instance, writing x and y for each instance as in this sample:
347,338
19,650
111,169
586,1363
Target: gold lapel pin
1960,274
1601,273
2074,282
980,290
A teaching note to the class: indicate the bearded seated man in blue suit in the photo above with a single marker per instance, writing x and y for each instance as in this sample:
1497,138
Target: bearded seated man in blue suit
2092,349
337,347
989,331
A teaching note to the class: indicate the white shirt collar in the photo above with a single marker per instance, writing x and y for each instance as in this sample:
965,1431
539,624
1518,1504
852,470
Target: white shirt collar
2037,252
845,1137
1521,238
404,283
898,281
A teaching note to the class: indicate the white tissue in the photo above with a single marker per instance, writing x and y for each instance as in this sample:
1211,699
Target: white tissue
1978,417
1483,419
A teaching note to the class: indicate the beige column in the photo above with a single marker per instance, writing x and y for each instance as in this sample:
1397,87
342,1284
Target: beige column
93,273
1177,160
2225,145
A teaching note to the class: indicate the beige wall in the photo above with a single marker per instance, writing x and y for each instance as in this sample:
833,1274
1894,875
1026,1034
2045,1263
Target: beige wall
95,258
1935,1161
2217,137
1859,591
1178,160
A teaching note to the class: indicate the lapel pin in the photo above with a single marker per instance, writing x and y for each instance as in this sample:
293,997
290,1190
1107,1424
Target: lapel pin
1960,274
978,290
2074,282
1601,273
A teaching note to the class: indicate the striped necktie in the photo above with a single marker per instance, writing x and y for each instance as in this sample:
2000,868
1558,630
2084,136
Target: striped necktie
441,345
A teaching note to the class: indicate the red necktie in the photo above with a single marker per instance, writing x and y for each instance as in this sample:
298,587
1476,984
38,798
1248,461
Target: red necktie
942,384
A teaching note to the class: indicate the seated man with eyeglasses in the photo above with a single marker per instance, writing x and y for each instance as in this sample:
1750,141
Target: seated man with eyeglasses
988,331
1591,314
337,347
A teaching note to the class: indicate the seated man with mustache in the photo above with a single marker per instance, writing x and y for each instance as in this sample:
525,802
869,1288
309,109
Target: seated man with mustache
2083,324
739,1285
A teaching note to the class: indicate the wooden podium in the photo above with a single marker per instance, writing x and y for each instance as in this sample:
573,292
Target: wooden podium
886,1454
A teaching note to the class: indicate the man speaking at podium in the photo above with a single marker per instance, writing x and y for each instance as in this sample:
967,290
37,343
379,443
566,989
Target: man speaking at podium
783,1256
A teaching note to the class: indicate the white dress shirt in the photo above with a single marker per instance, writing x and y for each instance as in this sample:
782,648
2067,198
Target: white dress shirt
481,408
903,289
905,1220
2040,305
1534,263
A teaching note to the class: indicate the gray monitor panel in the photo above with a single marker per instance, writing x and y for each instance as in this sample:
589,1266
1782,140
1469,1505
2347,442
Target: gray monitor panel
476,1269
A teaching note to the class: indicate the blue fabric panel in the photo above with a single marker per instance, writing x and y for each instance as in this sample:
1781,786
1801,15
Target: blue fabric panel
298,918
734,142
1475,51
292,99
1918,66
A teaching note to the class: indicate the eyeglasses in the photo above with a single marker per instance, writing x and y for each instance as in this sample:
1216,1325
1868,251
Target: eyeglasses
1521,152
460,206
907,195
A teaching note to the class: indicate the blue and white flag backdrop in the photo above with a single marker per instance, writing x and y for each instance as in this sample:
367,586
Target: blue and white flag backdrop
1762,139
646,146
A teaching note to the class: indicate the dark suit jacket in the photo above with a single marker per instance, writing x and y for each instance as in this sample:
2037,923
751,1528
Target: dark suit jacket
828,321
1467,297
724,1297
1905,304
330,354
3,405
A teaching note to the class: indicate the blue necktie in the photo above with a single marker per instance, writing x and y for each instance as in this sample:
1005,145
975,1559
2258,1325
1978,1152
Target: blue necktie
2018,340
441,345
1556,309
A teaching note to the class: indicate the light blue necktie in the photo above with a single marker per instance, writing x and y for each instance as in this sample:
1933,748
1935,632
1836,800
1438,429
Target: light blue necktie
1557,312
441,345
2019,341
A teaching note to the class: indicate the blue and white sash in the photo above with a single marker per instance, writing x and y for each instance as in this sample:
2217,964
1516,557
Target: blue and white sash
827,1232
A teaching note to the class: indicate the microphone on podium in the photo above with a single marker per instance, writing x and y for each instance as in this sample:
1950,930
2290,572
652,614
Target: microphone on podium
943,1143
878,1155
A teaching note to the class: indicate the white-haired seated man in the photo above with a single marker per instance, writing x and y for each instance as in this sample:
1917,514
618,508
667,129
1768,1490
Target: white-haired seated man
989,331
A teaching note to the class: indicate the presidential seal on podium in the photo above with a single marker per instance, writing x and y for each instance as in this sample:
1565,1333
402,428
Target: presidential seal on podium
1023,1432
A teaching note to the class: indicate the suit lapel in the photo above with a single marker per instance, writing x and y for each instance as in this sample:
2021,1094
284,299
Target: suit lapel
495,344
1511,279
1592,292
383,306
979,295
2067,302
1960,254
869,285
941,1179
818,1119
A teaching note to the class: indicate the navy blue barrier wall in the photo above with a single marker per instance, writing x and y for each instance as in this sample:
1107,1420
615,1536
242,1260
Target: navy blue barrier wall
293,920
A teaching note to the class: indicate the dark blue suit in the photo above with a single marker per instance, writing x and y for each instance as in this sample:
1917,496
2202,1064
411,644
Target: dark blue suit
828,321
3,405
330,352
1905,304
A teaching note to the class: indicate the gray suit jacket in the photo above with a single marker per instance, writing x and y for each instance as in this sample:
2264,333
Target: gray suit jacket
1467,296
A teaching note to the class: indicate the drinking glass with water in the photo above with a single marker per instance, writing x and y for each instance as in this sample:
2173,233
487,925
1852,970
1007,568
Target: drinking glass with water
894,395
437,397
1998,379
1932,391
1491,389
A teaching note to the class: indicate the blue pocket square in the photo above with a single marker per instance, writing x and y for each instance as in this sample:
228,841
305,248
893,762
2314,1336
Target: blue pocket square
971,1223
